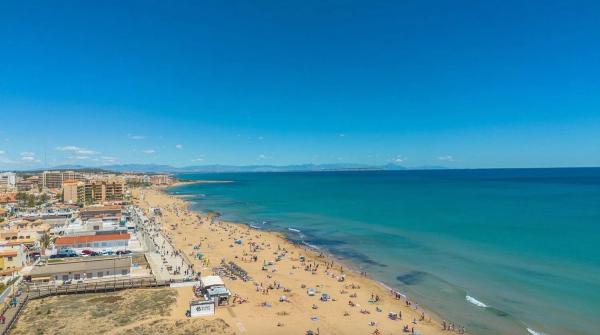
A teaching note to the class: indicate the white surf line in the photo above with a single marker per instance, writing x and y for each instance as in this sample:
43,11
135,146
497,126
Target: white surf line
534,332
475,301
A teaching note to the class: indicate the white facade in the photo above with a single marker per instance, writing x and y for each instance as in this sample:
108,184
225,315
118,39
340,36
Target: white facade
78,227
113,245
8,179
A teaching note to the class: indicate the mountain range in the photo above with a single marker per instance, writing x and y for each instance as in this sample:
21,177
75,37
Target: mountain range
158,168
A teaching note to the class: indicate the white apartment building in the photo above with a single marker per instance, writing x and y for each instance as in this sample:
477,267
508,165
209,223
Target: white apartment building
8,180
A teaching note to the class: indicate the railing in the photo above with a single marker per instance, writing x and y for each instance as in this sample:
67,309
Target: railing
33,291
13,319
40,291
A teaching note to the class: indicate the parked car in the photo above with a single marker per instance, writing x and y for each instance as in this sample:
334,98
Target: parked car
87,252
123,252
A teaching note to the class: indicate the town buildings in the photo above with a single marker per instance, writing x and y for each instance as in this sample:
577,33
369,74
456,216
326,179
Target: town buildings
56,212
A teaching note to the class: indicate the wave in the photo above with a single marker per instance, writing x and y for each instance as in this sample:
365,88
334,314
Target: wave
475,301
255,227
294,230
533,332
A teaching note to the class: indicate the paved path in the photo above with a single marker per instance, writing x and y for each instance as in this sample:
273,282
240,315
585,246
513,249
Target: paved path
166,262
11,313
158,268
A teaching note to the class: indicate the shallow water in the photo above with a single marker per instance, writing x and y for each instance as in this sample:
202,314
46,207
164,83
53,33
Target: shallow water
498,251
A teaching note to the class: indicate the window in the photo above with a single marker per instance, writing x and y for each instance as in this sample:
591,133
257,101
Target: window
9,258
107,273
65,277
124,272
100,274
89,275
77,276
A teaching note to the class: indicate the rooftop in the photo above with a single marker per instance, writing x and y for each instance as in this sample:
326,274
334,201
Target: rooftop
9,252
81,264
67,240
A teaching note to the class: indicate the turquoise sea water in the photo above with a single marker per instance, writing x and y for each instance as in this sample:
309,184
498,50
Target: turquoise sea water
525,243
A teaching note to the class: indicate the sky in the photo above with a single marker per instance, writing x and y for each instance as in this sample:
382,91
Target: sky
462,84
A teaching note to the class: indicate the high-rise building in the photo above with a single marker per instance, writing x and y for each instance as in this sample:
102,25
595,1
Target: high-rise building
160,179
73,192
54,179
8,180
99,191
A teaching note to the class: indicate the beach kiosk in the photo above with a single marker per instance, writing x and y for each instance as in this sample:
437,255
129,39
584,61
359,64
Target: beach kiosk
214,289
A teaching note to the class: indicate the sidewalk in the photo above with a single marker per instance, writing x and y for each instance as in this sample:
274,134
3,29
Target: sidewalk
11,313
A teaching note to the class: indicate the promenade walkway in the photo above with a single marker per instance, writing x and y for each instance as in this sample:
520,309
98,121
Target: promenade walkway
166,261
11,313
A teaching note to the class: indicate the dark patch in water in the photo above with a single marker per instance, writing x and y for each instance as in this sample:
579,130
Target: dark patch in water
358,256
332,246
498,312
412,277
327,242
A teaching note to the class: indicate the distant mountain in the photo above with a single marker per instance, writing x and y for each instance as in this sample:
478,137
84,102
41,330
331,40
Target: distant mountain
152,168
217,168
248,168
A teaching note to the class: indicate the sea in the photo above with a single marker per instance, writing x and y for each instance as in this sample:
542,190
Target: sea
498,251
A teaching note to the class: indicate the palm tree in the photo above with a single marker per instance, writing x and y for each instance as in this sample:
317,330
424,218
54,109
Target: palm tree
45,242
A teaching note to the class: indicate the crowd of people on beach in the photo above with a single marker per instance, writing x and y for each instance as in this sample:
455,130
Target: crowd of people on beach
254,248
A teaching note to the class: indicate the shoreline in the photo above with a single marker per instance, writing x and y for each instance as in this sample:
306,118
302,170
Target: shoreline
434,321
346,262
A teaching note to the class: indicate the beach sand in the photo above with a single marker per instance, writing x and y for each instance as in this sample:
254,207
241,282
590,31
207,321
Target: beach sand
263,313
138,311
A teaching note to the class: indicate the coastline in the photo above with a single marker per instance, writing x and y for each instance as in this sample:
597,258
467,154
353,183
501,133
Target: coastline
347,263
423,321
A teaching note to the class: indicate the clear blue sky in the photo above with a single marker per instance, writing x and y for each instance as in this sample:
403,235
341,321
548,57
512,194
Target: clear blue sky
454,83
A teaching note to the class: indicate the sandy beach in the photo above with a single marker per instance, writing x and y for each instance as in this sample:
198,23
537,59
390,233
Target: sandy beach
358,304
